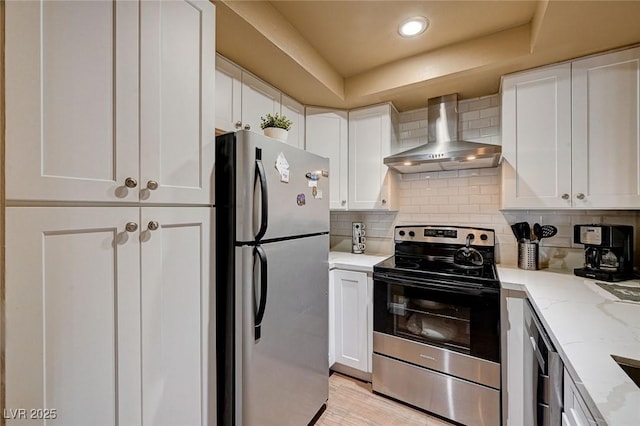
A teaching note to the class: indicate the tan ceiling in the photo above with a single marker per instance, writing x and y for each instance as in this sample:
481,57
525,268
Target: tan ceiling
345,54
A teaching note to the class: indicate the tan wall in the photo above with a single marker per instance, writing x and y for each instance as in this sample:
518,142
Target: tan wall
2,131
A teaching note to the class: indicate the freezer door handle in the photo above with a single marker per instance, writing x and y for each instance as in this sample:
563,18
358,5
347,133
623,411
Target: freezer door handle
259,307
261,176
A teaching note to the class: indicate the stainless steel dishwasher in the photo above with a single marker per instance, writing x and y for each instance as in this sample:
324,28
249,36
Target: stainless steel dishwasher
543,370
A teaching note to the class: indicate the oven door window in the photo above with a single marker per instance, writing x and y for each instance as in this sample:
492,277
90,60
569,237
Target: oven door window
454,318
418,315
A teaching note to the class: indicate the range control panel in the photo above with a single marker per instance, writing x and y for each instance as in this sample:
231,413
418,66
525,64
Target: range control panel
445,235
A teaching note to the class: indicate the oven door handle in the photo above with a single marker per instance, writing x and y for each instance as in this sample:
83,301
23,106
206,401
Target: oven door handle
460,288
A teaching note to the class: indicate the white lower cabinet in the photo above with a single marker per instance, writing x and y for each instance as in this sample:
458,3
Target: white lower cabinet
575,411
107,313
351,335
512,326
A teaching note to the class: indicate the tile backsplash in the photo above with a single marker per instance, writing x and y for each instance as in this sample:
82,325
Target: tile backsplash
469,198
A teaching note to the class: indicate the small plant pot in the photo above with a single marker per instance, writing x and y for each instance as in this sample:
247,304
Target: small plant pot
276,133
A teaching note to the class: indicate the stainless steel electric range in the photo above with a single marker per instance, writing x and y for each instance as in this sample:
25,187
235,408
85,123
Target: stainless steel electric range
436,322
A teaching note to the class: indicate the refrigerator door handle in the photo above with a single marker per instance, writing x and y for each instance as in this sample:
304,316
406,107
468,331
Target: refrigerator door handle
259,307
262,177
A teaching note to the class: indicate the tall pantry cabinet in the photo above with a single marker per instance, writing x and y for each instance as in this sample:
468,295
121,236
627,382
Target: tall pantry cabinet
109,159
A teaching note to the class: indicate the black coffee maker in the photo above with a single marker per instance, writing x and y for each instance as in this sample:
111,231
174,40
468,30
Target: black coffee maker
608,251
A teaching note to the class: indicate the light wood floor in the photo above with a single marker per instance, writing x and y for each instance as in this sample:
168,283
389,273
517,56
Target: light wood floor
351,403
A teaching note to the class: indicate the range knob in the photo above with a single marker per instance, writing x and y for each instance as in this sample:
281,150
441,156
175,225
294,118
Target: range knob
484,237
401,233
412,234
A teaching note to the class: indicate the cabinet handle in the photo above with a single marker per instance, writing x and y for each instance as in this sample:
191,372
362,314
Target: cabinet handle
238,124
131,227
344,202
153,225
565,196
130,182
152,185
384,201
580,196
247,126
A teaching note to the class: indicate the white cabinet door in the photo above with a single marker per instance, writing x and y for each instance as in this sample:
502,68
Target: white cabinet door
513,362
606,130
228,95
71,100
177,110
258,99
73,313
370,142
327,133
294,111
175,315
351,319
536,139
332,318
575,411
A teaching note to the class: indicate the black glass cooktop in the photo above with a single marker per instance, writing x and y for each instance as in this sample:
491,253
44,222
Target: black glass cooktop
485,274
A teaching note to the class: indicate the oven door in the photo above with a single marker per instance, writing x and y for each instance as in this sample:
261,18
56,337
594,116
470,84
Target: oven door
463,318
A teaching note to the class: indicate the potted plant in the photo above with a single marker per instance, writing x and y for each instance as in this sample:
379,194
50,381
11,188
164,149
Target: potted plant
276,126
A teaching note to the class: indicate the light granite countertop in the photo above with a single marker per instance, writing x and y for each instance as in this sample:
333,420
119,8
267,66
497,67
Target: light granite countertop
354,262
587,327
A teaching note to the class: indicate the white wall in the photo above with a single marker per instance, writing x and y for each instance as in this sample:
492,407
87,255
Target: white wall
469,198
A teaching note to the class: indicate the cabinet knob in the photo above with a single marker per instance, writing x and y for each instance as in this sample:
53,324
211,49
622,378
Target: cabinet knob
131,227
130,182
152,185
153,225
247,126
565,196
384,201
580,196
343,202
238,124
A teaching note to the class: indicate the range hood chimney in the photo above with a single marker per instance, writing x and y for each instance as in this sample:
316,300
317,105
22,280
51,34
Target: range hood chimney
444,151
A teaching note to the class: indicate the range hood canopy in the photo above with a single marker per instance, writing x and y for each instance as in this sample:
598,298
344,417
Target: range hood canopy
444,151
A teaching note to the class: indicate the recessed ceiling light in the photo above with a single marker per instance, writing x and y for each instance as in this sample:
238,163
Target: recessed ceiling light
413,26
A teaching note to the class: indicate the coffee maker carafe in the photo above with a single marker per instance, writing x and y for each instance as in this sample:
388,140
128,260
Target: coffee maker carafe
608,251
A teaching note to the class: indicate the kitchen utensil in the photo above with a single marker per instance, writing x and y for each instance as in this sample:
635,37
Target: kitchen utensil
537,231
516,232
548,231
521,230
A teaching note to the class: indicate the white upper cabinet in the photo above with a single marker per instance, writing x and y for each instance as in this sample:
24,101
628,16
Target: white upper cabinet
371,135
606,130
258,99
536,138
327,133
177,130
103,97
242,99
294,111
571,134
228,95
71,100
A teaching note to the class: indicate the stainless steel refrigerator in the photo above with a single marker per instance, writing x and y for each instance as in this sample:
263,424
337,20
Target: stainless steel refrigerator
272,275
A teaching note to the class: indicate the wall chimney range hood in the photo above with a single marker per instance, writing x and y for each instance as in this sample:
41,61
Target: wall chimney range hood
444,151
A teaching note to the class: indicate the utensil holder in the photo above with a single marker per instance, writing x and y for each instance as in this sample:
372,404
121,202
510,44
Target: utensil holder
358,238
528,255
